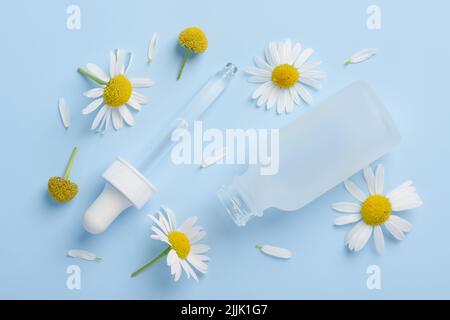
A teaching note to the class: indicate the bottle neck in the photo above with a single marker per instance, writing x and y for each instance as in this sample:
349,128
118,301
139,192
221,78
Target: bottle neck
236,204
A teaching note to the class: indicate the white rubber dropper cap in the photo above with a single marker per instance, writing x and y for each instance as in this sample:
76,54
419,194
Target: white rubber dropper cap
125,187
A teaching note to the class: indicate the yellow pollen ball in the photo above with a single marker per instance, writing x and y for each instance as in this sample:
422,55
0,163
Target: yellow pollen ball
180,243
193,38
118,91
285,76
62,190
376,210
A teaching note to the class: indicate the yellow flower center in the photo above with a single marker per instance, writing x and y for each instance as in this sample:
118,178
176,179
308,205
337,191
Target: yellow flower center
180,243
193,38
117,91
285,76
376,210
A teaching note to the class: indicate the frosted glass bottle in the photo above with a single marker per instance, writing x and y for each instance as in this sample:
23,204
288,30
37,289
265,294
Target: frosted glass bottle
322,148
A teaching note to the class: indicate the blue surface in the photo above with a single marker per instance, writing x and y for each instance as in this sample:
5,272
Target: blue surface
39,59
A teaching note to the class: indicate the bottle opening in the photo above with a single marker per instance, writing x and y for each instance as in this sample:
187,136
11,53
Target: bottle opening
235,205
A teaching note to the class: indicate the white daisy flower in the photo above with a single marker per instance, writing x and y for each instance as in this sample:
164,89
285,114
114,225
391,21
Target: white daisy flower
284,76
115,94
183,252
376,210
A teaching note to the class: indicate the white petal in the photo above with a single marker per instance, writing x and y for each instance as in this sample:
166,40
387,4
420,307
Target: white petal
347,219
284,49
260,63
370,179
83,254
160,234
214,158
258,79
188,223
189,270
97,72
347,207
379,239
264,98
105,121
159,224
362,56
141,82
197,237
171,217
261,89
317,75
120,63
152,47
401,223
258,72
94,93
126,115
360,239
309,65
303,57
273,49
64,112
130,61
140,98
117,119
289,102
281,102
273,97
304,94
92,106
353,232
294,53
355,191
294,95
197,263
134,103
394,230
277,252
405,197
199,248
98,117
310,82
379,179
163,220
112,64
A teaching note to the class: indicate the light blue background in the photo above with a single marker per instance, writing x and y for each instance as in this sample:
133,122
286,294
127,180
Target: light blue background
39,58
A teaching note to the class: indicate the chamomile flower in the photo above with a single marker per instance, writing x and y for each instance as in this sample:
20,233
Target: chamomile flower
376,210
284,76
115,94
194,40
183,251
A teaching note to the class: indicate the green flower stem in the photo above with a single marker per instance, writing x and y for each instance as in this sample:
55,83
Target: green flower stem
69,165
142,269
258,246
90,76
186,56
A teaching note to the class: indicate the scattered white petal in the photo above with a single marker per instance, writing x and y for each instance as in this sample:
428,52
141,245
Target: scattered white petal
83,254
214,158
277,252
64,112
152,47
361,56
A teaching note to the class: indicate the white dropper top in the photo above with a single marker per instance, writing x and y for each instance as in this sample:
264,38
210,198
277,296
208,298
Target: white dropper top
125,185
